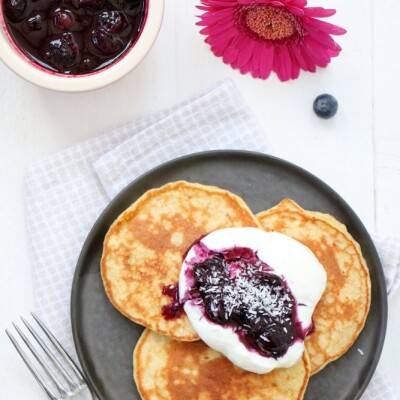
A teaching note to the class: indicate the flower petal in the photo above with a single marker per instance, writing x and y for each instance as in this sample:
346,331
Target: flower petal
321,59
295,67
217,15
319,12
295,70
320,48
254,64
231,52
296,11
215,30
298,3
246,52
282,63
302,58
219,3
266,61
219,45
325,40
316,24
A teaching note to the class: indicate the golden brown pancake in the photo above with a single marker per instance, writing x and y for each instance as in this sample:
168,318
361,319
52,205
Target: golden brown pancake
341,313
144,248
165,369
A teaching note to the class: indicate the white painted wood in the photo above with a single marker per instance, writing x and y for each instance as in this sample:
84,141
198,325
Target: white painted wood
386,109
387,138
35,122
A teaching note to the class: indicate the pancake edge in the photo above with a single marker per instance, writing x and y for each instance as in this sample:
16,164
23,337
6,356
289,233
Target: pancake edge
137,375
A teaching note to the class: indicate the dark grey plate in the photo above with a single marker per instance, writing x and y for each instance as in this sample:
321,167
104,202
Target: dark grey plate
105,340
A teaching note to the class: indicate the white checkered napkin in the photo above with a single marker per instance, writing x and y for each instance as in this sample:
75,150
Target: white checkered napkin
380,388
66,192
216,120
389,253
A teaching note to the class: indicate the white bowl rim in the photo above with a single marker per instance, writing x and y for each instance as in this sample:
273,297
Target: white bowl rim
19,63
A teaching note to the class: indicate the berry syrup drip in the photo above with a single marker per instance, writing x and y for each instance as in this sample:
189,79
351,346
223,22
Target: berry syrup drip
74,36
238,290
174,309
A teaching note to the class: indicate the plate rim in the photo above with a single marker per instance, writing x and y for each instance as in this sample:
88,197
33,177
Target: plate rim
382,300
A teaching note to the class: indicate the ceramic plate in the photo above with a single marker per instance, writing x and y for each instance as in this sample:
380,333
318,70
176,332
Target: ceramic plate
105,340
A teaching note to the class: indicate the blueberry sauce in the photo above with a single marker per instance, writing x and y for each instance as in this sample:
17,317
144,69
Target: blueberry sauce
238,290
74,36
174,309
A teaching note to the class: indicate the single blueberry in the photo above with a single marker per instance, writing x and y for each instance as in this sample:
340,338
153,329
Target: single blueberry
61,51
133,7
63,19
35,21
107,43
275,339
15,9
118,4
88,63
325,106
111,21
96,4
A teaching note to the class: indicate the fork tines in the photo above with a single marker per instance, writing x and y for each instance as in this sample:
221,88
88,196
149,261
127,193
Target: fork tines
49,363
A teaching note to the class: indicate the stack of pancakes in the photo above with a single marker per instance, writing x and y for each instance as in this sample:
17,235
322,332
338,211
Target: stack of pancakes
143,252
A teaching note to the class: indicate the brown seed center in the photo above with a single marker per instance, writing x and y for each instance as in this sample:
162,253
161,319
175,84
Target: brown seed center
271,23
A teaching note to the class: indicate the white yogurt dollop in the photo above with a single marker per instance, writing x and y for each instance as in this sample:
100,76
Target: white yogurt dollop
289,259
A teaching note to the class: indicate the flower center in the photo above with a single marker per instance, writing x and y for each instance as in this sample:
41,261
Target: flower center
271,23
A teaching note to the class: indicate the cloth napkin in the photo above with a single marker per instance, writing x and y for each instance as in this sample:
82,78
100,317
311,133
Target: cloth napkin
66,192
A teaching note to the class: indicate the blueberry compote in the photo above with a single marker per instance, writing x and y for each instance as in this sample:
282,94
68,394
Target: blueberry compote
174,309
74,36
240,291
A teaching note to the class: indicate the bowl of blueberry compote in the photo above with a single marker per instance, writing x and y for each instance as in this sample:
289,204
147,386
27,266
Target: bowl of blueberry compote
77,45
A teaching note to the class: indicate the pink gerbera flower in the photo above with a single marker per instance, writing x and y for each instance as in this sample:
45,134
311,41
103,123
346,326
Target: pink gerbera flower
260,36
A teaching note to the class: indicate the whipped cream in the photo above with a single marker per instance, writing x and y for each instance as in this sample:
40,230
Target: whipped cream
286,258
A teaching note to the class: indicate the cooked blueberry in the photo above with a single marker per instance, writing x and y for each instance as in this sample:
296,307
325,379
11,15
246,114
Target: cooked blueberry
325,106
215,309
35,21
118,4
133,7
15,9
63,19
111,21
275,338
106,42
97,4
61,51
88,63
174,309
85,21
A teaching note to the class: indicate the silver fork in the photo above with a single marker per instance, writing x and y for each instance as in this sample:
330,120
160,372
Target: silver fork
50,364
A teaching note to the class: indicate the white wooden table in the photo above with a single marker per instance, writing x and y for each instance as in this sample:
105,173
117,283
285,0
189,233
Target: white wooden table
357,152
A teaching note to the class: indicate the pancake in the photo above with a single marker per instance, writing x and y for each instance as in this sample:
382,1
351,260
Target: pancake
342,311
144,248
165,369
